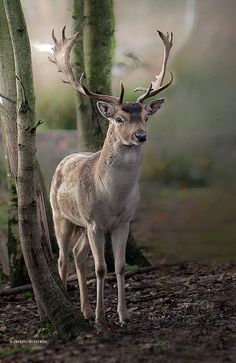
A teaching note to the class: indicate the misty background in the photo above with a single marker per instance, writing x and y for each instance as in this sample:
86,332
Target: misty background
188,191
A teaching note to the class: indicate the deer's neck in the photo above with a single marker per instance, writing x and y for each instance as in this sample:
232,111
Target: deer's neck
119,165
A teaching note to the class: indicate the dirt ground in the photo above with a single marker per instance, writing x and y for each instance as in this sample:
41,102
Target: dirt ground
182,312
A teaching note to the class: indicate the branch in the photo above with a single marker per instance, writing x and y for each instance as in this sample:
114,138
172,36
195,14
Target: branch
8,98
16,290
110,277
33,129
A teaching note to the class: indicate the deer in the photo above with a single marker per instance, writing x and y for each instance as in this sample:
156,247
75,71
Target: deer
93,193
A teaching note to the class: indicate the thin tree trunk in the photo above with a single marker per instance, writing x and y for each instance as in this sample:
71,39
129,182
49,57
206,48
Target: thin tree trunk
43,195
18,272
49,294
88,136
98,40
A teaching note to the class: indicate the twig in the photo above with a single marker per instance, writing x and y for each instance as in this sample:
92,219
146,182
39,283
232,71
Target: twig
33,129
8,98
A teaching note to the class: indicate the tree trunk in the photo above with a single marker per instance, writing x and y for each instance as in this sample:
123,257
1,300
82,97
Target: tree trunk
18,272
98,39
48,211
94,20
48,292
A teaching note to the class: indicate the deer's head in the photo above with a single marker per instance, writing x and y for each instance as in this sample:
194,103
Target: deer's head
129,119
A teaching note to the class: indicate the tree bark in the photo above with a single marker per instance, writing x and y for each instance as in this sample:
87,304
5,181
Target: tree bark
18,272
47,211
48,292
98,41
94,20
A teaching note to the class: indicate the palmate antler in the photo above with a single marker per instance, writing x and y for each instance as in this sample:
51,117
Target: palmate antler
61,57
156,86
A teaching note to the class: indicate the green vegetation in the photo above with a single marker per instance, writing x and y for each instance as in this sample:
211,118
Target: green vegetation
189,223
56,108
46,330
3,214
27,294
131,268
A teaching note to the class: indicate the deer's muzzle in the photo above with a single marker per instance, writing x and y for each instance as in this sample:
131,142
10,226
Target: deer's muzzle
140,135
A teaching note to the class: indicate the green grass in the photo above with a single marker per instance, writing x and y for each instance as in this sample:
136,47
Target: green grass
46,330
27,294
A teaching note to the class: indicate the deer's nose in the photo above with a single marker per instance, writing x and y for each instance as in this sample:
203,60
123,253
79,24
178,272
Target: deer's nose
141,135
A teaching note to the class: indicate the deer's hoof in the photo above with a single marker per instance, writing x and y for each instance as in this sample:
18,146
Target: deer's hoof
124,322
89,314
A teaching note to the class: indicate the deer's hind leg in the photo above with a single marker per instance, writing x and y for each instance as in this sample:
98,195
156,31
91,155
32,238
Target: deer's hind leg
64,230
80,251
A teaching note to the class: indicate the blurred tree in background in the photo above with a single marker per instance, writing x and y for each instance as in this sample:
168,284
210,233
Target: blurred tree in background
94,20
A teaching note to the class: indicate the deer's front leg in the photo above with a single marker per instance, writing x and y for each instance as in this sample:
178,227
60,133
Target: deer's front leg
97,241
119,241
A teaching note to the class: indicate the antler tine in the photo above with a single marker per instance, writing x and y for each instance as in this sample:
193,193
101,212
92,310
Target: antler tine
122,90
63,32
156,86
61,56
145,95
168,43
150,93
53,37
97,96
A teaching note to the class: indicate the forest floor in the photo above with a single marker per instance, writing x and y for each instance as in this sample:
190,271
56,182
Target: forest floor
183,312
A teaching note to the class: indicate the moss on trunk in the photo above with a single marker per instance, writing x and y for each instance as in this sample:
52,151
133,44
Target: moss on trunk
93,55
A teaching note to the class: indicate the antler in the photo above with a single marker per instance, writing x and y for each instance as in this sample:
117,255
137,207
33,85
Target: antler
61,57
156,86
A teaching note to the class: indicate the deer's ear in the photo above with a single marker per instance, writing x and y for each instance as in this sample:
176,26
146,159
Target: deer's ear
106,109
153,107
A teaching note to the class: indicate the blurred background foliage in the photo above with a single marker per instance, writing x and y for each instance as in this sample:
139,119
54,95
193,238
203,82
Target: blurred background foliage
192,140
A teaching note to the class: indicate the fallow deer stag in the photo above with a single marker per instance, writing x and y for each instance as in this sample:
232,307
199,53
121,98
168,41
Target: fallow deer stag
92,193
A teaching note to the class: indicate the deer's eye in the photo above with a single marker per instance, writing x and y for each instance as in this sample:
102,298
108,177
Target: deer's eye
146,118
119,120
